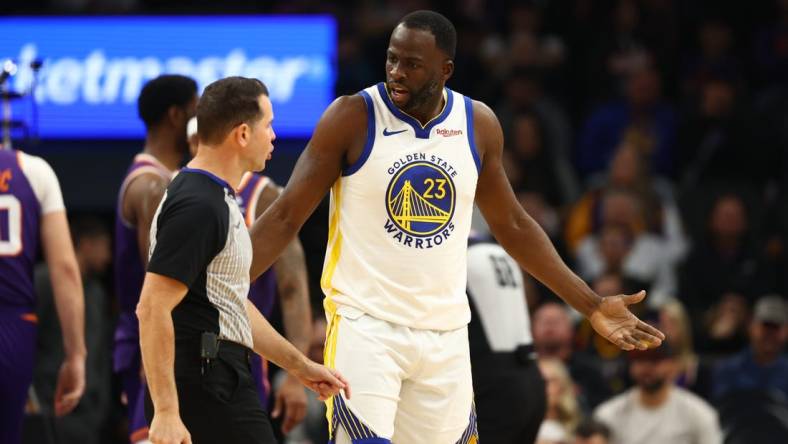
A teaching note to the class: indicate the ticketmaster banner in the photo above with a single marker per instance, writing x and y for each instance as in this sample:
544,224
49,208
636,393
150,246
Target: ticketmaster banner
95,67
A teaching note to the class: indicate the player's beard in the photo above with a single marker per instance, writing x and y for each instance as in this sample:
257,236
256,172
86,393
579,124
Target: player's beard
422,96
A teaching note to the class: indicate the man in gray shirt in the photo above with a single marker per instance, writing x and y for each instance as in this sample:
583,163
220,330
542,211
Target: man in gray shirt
656,411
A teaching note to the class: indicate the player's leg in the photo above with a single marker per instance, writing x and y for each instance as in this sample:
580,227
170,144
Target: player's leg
17,356
436,403
373,355
134,389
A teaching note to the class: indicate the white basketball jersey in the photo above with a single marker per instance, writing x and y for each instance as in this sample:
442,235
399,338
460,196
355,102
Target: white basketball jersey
400,217
495,283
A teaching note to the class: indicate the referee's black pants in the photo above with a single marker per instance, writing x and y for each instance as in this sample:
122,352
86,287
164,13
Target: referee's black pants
218,399
510,397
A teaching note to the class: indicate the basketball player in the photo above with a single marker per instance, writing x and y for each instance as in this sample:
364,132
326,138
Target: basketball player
404,160
287,279
32,213
165,105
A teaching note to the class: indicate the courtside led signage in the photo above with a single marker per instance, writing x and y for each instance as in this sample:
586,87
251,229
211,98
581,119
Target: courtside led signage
93,68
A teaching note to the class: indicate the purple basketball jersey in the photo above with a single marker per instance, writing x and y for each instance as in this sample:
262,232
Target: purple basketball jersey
20,214
128,269
262,292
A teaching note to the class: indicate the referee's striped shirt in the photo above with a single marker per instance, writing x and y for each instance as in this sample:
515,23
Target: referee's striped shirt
199,238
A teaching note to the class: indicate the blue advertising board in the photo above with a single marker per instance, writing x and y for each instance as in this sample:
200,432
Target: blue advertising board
94,67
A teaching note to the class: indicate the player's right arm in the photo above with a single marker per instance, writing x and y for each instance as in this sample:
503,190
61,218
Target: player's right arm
337,141
141,199
66,280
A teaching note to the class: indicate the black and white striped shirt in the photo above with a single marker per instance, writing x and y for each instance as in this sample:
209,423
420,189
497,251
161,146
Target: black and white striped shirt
199,238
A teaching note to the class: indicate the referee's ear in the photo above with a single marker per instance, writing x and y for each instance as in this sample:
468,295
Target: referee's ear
242,134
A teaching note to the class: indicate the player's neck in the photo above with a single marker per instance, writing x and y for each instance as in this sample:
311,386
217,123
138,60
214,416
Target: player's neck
216,161
165,151
430,110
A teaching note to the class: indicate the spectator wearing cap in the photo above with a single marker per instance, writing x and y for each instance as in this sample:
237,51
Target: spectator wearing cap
763,365
656,410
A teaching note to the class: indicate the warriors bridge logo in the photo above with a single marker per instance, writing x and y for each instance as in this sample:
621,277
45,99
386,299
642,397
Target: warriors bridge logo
420,201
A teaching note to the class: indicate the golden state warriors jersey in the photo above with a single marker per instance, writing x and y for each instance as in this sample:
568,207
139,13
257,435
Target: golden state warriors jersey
400,217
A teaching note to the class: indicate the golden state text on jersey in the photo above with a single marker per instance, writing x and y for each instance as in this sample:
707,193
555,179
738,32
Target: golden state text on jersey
420,200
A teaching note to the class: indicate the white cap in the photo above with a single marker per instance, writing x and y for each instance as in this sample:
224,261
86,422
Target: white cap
191,127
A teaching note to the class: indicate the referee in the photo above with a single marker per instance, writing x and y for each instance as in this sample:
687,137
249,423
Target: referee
197,328
508,387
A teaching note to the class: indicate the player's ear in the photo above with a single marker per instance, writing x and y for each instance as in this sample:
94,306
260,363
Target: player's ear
175,114
448,69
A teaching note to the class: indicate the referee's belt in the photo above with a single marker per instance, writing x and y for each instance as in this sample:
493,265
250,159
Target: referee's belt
521,356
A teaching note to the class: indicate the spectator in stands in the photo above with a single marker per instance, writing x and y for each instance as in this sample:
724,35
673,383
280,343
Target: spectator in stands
641,110
563,413
623,246
524,98
553,336
771,48
722,274
87,423
656,411
721,141
713,57
691,373
629,170
534,156
591,432
764,364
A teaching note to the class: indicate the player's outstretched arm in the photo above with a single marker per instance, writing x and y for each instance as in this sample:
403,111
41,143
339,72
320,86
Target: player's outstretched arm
293,293
271,345
69,299
528,244
340,129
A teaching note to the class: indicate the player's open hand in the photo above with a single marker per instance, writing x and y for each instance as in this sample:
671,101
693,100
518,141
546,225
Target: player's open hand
324,381
290,398
70,385
613,320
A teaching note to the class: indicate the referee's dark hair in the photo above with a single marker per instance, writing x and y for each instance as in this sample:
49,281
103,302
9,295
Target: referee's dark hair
227,103
161,93
438,25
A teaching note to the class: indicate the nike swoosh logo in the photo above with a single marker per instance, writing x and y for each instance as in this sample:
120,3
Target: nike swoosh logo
387,133
238,225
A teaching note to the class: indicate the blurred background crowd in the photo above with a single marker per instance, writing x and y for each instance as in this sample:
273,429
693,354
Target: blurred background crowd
648,138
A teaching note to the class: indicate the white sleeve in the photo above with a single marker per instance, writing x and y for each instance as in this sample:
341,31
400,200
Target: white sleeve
43,181
708,426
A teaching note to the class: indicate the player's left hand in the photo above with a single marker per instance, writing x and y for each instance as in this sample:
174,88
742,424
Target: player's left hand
70,385
324,381
613,321
291,398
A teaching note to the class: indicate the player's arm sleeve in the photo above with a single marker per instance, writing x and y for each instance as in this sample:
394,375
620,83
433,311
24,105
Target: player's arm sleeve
189,234
44,182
